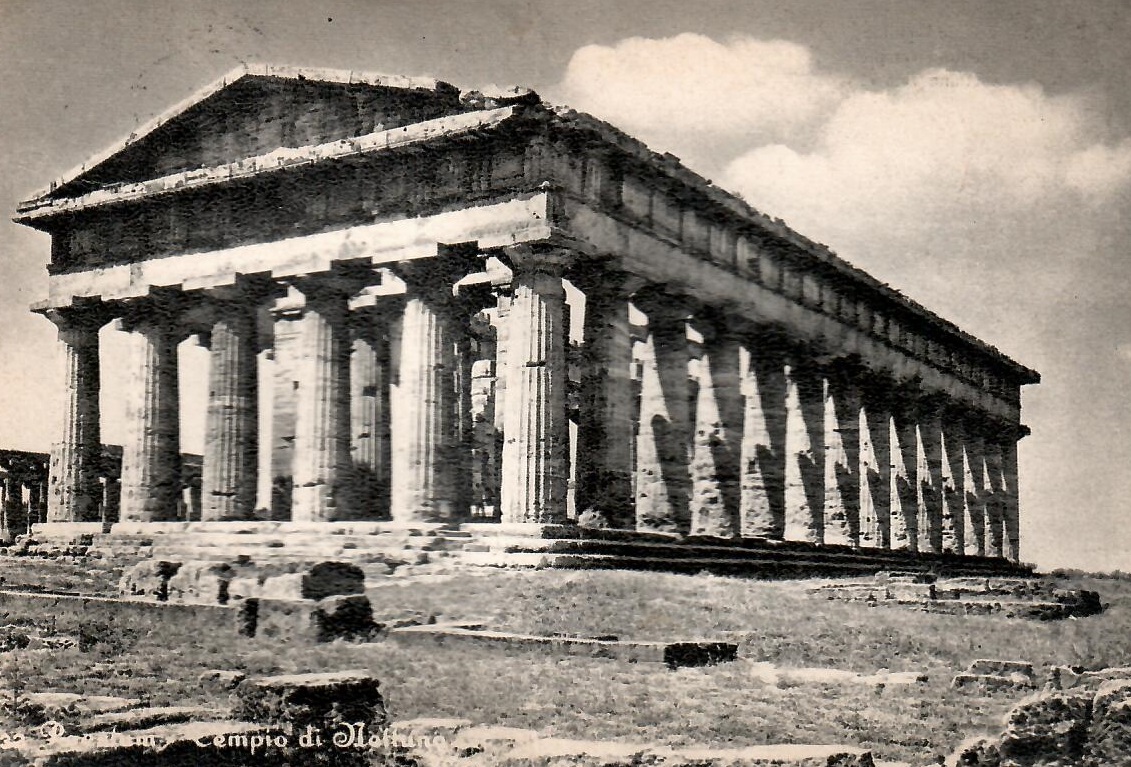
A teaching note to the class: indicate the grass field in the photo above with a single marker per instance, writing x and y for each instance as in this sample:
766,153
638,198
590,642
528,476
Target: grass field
598,698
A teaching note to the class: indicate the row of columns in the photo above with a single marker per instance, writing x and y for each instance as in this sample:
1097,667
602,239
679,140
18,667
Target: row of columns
764,442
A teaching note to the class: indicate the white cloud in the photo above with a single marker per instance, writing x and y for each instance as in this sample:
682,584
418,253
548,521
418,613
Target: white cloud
690,87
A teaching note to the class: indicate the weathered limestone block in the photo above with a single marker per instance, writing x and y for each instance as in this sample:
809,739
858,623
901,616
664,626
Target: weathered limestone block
1001,667
1047,727
1109,735
221,679
201,583
992,682
148,578
319,700
324,579
308,621
976,751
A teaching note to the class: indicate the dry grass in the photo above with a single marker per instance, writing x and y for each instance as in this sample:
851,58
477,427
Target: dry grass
597,698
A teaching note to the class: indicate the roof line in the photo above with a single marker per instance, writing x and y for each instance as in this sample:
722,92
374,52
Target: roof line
279,159
346,76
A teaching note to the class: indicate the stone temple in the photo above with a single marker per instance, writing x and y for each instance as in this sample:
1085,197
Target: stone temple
475,309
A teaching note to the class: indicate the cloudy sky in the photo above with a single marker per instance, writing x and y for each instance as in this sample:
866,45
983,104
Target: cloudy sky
975,155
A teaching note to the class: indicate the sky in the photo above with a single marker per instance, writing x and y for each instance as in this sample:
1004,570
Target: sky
974,155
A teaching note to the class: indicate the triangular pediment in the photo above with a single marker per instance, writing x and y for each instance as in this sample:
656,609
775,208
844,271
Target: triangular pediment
253,111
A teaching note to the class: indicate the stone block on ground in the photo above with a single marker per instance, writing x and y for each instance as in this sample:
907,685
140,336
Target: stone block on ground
992,682
684,654
1080,602
149,579
144,718
1109,735
307,621
1047,727
201,583
302,700
977,751
221,679
1001,667
325,579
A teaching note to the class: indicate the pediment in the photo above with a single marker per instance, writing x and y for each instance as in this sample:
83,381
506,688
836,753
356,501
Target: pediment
253,111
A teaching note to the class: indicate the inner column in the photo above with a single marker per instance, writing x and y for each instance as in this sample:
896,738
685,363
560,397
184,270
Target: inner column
717,439
805,453
321,444
425,460
605,431
151,458
842,459
762,503
662,477
535,430
369,411
231,441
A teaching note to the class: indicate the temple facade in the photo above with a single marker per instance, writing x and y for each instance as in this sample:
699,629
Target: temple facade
477,307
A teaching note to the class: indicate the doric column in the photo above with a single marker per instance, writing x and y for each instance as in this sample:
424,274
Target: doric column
76,457
805,452
717,438
536,432
151,455
905,460
1012,539
842,458
13,520
286,329
231,438
369,412
662,478
424,434
762,462
996,492
955,514
930,475
976,484
875,465
321,369
605,430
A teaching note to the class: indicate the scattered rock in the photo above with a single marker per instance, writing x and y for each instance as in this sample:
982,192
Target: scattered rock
325,579
1046,727
309,622
221,679
149,579
201,583
992,682
1001,667
302,700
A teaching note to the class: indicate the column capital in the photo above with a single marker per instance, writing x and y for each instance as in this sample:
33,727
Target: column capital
526,258
81,321
658,303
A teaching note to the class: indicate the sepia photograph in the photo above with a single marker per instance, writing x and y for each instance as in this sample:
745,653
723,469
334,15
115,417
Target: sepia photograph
531,383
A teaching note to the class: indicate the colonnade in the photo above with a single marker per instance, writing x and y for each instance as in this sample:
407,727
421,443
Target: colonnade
450,396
